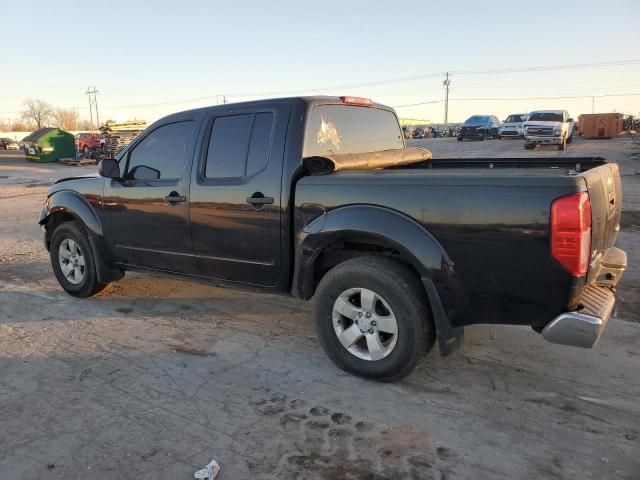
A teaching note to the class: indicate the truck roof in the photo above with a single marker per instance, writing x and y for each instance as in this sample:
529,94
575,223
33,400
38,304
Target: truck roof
309,100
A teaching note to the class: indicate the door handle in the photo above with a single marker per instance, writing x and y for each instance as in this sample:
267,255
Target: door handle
259,200
174,197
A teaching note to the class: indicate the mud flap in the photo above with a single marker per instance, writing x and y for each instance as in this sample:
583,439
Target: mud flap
449,338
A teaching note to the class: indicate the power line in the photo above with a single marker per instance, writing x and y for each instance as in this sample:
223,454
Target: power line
390,81
546,98
428,102
548,67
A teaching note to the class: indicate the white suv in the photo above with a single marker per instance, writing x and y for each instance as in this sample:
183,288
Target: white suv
548,127
513,126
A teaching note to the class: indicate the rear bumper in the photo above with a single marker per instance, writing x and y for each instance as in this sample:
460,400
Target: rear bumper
584,327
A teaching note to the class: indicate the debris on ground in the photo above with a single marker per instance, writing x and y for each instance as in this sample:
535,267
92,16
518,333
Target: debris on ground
209,472
118,135
77,162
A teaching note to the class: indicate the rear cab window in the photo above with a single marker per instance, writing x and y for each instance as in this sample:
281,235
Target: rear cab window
345,129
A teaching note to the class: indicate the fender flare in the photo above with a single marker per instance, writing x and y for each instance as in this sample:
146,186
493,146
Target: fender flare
75,205
393,229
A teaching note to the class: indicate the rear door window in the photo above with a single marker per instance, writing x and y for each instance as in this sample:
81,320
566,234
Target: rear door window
239,145
345,129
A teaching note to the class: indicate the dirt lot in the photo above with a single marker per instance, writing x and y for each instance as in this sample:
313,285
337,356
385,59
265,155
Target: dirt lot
155,377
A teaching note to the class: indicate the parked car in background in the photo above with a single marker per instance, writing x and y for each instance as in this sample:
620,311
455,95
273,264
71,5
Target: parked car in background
479,127
8,144
89,141
395,259
548,127
513,126
420,132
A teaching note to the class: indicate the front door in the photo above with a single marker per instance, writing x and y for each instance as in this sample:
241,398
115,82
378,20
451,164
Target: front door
147,212
236,209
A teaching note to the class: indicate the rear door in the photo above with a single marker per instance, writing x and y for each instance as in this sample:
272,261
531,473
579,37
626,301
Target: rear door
236,209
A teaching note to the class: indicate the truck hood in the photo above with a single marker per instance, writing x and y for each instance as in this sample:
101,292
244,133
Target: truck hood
66,179
82,184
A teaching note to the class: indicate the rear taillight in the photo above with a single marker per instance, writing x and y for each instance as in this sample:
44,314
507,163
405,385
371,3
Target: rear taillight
571,232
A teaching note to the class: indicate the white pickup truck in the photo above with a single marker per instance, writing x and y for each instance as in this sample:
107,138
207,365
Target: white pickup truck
548,127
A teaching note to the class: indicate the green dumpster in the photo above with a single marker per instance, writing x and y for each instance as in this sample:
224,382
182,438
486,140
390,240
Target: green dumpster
49,145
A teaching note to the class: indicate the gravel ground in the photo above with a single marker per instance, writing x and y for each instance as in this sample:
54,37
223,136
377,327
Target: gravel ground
154,377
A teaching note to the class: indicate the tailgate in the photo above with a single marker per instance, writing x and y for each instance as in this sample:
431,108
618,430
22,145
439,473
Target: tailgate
605,194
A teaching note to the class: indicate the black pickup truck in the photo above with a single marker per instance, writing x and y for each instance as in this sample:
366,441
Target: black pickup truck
396,258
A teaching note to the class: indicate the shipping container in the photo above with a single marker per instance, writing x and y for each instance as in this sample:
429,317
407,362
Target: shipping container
600,125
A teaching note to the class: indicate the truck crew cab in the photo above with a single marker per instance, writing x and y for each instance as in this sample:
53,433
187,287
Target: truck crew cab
395,258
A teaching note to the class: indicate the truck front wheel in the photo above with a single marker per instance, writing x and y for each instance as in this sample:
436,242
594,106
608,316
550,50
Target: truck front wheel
563,144
372,318
73,262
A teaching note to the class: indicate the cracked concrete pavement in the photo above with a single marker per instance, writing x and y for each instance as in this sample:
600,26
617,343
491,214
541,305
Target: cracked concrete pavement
154,377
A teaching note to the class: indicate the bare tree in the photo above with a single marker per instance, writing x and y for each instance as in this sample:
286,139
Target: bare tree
5,126
20,126
66,119
85,125
37,111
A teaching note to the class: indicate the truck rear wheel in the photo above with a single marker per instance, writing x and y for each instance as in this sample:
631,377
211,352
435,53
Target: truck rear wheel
372,318
73,262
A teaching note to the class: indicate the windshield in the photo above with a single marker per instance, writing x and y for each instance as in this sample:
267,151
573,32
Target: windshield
477,119
545,117
516,118
343,129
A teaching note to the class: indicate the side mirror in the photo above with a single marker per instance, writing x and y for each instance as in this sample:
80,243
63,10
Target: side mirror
109,168
142,172
569,120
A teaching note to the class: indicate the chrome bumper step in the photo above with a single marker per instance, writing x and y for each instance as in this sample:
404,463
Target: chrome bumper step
583,327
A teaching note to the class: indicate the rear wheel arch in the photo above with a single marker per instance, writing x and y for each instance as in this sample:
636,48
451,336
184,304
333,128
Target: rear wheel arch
359,230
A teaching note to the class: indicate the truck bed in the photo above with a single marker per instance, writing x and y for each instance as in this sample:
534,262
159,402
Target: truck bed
491,217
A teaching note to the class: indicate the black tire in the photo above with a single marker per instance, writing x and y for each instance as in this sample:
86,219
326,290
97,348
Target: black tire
460,139
563,144
406,298
499,137
570,138
529,146
89,284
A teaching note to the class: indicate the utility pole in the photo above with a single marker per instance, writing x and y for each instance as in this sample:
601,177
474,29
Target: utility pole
93,101
593,104
446,84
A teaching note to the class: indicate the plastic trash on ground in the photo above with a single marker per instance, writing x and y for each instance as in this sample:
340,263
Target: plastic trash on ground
209,472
